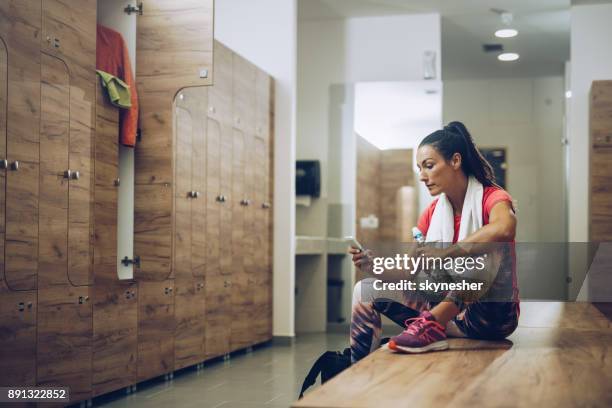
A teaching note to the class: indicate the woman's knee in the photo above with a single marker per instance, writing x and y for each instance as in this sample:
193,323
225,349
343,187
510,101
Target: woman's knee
362,291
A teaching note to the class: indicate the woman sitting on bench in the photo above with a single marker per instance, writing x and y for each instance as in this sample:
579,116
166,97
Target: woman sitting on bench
470,208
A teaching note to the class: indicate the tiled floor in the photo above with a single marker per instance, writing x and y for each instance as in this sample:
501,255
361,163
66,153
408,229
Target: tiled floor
269,376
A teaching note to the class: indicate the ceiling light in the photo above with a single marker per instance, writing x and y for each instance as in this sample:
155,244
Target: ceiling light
506,33
508,56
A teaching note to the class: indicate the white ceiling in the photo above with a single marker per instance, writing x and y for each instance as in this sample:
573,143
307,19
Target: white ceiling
543,41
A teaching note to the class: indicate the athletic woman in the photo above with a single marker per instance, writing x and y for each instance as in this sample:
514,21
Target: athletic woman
453,169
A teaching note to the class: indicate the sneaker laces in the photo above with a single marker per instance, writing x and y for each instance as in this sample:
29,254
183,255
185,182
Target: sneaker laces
418,325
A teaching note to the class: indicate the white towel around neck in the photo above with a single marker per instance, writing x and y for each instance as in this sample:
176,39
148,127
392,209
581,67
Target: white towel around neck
442,224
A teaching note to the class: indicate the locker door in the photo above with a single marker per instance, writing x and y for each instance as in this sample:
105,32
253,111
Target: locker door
64,339
3,163
218,300
243,102
189,308
198,182
261,290
155,328
22,149
183,192
64,343
174,50
263,296
19,127
55,174
69,33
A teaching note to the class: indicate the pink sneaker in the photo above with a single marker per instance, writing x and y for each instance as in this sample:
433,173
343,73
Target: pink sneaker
422,334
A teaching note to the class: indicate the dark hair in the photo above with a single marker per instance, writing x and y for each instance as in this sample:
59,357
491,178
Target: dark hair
455,138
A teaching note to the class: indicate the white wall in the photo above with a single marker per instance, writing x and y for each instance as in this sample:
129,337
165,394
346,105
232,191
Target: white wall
591,59
264,32
346,51
525,116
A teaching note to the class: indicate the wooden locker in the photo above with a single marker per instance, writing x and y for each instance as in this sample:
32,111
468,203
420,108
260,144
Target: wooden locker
69,34
20,31
155,328
174,48
64,310
218,281
243,238
188,258
115,304
19,127
264,122
600,202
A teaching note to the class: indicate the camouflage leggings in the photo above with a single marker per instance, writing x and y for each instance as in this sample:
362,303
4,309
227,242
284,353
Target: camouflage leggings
479,320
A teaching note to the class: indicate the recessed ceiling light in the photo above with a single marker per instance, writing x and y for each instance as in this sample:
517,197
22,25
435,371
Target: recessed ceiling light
506,33
508,56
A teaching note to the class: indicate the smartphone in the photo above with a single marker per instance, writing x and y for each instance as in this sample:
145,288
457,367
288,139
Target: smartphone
354,243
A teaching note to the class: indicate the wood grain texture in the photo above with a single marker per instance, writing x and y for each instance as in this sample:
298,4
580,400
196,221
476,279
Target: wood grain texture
558,358
20,27
155,328
64,337
600,202
174,43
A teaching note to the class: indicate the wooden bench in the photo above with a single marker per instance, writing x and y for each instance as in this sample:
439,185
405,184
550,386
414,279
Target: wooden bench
559,356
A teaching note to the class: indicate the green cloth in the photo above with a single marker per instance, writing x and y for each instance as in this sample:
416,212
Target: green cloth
118,91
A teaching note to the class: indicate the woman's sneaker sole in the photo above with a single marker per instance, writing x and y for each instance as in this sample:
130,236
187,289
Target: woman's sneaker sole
437,346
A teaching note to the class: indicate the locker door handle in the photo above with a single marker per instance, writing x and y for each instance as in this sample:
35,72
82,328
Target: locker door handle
3,164
245,202
15,165
68,174
193,194
221,198
76,175
265,205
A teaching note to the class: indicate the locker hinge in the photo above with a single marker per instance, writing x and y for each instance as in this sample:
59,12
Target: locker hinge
129,9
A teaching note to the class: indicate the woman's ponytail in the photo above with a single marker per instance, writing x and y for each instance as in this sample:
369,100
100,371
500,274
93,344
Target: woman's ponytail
455,138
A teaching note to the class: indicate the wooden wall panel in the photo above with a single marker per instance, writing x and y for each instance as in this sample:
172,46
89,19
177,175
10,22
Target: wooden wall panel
600,202
20,33
174,47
